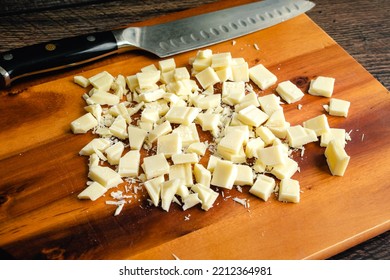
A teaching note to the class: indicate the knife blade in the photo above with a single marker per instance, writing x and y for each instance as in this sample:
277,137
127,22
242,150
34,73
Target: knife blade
163,40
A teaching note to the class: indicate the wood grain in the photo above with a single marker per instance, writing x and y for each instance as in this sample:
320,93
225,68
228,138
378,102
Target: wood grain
43,133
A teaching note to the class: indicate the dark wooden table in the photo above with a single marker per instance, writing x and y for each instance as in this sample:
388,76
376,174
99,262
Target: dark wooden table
361,27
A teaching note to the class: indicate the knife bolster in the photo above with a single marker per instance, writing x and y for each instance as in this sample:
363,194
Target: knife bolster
5,80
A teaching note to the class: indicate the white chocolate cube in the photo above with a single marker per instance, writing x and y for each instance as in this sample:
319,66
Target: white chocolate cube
92,192
129,164
105,176
168,191
252,116
289,92
336,134
169,144
298,136
319,124
114,152
338,107
289,191
261,76
83,123
244,175
136,137
202,175
224,174
337,158
153,187
207,77
155,166
272,155
182,172
322,86
263,187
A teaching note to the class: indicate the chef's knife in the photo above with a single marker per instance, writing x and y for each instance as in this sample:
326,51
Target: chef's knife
162,39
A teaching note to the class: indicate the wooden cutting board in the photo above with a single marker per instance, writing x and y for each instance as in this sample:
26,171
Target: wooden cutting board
41,172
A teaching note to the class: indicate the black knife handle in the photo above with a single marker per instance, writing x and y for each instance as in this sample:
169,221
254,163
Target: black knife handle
54,55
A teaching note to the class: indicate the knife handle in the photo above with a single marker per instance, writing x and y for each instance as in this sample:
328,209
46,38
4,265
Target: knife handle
55,55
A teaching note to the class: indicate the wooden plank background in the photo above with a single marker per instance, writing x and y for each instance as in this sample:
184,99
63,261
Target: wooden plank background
361,28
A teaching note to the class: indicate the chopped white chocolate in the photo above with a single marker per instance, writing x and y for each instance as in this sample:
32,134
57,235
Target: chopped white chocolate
191,158
136,137
337,158
261,76
103,98
249,99
191,200
336,134
221,60
92,192
224,175
270,103
102,80
206,195
181,73
289,92
81,81
151,95
168,191
289,191
132,82
212,162
240,72
253,146
198,148
298,136
96,110
239,157
96,144
263,187
148,79
319,124
83,124
153,187
119,128
182,115
265,134
338,107
188,134
182,172
285,170
207,77
202,175
272,155
207,102
159,130
167,65
114,152
169,144
252,116
148,68
231,143
208,121
233,92
129,164
244,175
224,74
155,166
276,119
105,176
322,86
